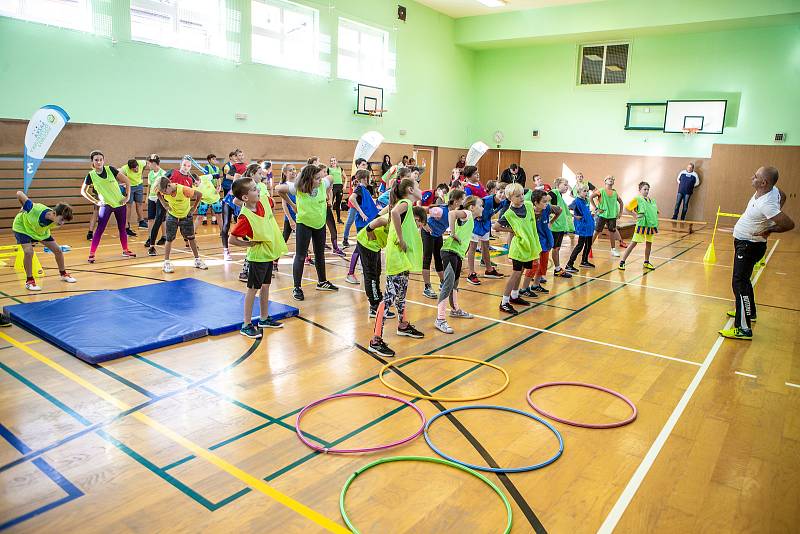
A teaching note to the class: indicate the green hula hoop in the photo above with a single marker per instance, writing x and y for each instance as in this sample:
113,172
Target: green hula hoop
419,459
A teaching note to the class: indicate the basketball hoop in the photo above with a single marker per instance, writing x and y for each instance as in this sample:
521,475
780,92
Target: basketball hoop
690,131
377,112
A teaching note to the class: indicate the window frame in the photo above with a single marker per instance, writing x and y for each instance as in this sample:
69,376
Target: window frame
605,45
314,65
87,7
388,78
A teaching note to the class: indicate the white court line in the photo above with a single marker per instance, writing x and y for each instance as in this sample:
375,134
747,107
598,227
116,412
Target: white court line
792,385
653,287
748,375
542,330
631,488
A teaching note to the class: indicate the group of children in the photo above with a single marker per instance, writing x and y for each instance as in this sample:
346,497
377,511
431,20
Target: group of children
414,228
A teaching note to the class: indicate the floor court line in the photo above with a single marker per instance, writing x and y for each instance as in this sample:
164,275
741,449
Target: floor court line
250,480
652,287
791,385
748,375
625,498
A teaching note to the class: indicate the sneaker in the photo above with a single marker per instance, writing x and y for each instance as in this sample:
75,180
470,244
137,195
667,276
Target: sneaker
473,279
732,313
428,292
128,254
326,286
562,273
226,255
519,302
525,292
380,348
542,280
297,294
492,273
130,232
373,312
622,244
615,253
309,261
30,285
508,308
351,279
484,264
200,264
648,265
410,331
161,241
91,258
442,326
205,222
89,235
67,278
214,220
269,323
571,269
327,247
142,224
461,314
621,266
737,333
147,243
539,289
345,243
4,323
587,265
168,268
339,252
243,276
186,243
250,331
152,251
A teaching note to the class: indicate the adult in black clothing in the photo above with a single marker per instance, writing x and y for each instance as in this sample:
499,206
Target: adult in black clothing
514,174
386,165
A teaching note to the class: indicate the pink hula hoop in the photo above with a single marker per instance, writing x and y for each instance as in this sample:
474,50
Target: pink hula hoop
577,423
316,447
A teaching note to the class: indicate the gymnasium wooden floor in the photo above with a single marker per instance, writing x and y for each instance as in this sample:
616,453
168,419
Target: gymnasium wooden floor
716,446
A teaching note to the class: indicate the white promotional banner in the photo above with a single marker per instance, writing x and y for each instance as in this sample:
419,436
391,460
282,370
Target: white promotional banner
476,151
43,128
367,145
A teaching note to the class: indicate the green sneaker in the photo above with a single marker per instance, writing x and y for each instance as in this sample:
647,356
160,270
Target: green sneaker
737,333
649,266
621,266
732,313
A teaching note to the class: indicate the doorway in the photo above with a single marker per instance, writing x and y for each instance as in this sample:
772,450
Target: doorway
426,161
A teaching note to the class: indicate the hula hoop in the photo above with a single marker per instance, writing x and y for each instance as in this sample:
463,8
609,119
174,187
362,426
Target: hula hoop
419,459
577,423
316,447
497,469
434,397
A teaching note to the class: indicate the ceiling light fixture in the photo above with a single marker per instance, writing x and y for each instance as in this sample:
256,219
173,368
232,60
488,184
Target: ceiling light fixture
593,57
493,3
614,68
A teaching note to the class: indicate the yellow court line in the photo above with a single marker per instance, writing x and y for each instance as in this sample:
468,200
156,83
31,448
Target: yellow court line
252,481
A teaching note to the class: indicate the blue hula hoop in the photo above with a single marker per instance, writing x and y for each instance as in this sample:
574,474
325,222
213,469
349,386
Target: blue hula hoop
496,469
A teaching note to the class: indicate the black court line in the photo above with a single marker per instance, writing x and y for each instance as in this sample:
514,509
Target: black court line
530,515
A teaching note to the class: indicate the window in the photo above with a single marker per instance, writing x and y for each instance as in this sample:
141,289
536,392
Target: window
73,14
604,64
197,25
286,35
364,55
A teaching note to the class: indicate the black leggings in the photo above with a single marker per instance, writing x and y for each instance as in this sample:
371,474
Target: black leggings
304,236
287,230
371,262
585,244
330,222
431,250
161,215
227,218
338,193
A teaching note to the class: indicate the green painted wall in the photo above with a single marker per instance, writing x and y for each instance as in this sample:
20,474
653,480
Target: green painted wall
757,70
137,84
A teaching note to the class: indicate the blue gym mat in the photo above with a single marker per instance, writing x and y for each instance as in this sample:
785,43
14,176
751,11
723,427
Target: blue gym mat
110,324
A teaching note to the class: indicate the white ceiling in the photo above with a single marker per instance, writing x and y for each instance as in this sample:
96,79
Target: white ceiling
468,8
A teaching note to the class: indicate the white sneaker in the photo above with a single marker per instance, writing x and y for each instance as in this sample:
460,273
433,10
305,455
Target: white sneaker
461,314
226,255
441,325
168,268
31,286
615,253
68,279
350,279
200,264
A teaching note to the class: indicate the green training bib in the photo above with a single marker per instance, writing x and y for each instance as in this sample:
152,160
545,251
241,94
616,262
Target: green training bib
336,175
608,204
464,233
525,244
27,222
179,204
107,188
311,210
265,230
375,245
646,212
398,261
208,189
563,222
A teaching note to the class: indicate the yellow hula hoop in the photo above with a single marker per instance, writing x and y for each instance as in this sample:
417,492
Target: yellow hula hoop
437,398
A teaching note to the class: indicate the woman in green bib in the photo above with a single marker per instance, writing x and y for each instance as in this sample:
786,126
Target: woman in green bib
338,177
32,225
646,213
608,207
462,212
403,256
519,220
311,198
106,182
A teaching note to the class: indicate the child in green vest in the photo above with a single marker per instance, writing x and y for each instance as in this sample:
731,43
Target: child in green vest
519,220
561,225
338,178
180,203
257,230
133,170
462,212
646,213
370,241
32,225
608,207
212,168
403,256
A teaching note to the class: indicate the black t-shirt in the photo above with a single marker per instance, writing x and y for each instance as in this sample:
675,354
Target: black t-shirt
509,178
114,173
520,212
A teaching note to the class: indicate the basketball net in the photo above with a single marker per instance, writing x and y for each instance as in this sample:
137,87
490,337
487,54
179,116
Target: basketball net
690,131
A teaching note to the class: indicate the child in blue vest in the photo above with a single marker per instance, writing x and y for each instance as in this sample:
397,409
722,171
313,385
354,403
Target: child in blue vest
584,226
545,214
361,201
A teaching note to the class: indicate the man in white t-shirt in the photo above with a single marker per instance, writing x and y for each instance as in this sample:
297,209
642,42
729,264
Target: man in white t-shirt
762,217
